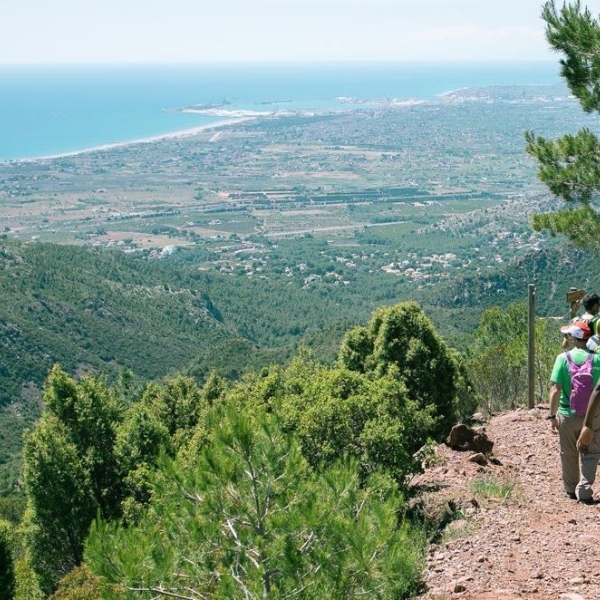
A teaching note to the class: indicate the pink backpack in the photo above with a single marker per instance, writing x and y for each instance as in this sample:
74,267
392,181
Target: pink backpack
582,383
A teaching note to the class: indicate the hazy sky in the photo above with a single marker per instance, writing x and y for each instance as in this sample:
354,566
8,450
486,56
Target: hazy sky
80,31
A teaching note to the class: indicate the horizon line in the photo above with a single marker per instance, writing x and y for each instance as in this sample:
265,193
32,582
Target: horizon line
315,62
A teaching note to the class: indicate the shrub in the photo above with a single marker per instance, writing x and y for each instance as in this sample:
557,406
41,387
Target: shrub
401,341
79,584
7,568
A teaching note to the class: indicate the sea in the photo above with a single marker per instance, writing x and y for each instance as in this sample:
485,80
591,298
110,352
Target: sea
54,110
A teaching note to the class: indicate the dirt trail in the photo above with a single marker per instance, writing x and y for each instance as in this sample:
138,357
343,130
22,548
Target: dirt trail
537,543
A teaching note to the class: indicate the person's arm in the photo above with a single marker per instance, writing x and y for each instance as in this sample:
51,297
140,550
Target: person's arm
587,433
575,308
555,391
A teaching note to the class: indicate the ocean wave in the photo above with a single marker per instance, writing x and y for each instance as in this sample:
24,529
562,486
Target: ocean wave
227,112
243,113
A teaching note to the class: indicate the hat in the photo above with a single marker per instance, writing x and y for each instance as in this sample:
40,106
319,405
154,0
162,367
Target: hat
577,329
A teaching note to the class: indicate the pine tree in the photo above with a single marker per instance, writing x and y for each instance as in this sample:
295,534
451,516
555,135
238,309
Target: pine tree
250,520
70,472
570,166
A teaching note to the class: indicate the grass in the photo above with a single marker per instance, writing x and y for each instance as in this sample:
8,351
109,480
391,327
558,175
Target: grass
486,488
490,488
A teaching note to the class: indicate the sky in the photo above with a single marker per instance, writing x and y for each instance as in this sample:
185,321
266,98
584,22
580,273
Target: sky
198,31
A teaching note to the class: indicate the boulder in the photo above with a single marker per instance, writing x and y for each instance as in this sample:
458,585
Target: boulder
478,458
462,437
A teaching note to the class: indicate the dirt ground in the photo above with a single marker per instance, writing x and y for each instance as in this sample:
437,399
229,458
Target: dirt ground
518,535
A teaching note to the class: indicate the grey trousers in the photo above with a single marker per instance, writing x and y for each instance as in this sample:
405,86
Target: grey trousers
578,469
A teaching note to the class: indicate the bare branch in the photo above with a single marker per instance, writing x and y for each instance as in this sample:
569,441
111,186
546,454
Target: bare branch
167,593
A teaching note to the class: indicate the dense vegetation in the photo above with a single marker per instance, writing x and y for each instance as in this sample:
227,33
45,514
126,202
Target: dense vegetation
246,488
105,311
252,487
7,570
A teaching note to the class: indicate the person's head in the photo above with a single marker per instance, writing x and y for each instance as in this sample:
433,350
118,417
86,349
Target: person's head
578,332
591,303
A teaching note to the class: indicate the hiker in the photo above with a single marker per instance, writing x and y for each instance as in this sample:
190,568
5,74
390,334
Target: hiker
589,438
591,304
574,376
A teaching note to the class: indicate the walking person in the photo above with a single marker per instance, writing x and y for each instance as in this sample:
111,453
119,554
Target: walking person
591,305
575,374
589,438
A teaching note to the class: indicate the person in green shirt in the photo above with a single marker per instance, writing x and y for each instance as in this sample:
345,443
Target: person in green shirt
578,469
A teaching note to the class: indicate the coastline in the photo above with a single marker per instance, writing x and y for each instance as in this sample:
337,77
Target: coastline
146,140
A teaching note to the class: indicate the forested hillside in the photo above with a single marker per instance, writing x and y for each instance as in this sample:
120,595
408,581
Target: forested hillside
104,311
552,270
92,310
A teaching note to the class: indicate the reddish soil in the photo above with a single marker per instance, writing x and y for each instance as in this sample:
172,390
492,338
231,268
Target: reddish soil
534,543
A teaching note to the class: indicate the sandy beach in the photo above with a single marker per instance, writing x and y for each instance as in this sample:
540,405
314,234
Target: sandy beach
146,140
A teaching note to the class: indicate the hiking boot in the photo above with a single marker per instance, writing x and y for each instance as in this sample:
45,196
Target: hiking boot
586,501
572,495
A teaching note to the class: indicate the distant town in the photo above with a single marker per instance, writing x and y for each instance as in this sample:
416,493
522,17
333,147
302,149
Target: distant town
414,191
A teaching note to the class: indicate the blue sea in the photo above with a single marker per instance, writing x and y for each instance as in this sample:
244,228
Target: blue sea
50,110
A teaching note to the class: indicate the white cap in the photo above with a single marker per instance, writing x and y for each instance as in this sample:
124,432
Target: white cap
577,329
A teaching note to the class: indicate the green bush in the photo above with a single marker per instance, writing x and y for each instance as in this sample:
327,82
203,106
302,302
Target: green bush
7,568
27,581
497,357
402,342
338,412
70,472
79,584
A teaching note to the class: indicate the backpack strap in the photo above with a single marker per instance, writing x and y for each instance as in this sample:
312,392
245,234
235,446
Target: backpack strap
590,359
571,363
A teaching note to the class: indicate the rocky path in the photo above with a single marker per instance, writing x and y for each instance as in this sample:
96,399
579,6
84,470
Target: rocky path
533,543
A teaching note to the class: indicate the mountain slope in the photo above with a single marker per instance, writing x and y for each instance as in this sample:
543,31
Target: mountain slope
93,310
552,269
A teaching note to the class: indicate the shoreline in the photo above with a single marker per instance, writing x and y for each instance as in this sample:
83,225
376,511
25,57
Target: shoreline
145,140
243,116
356,104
